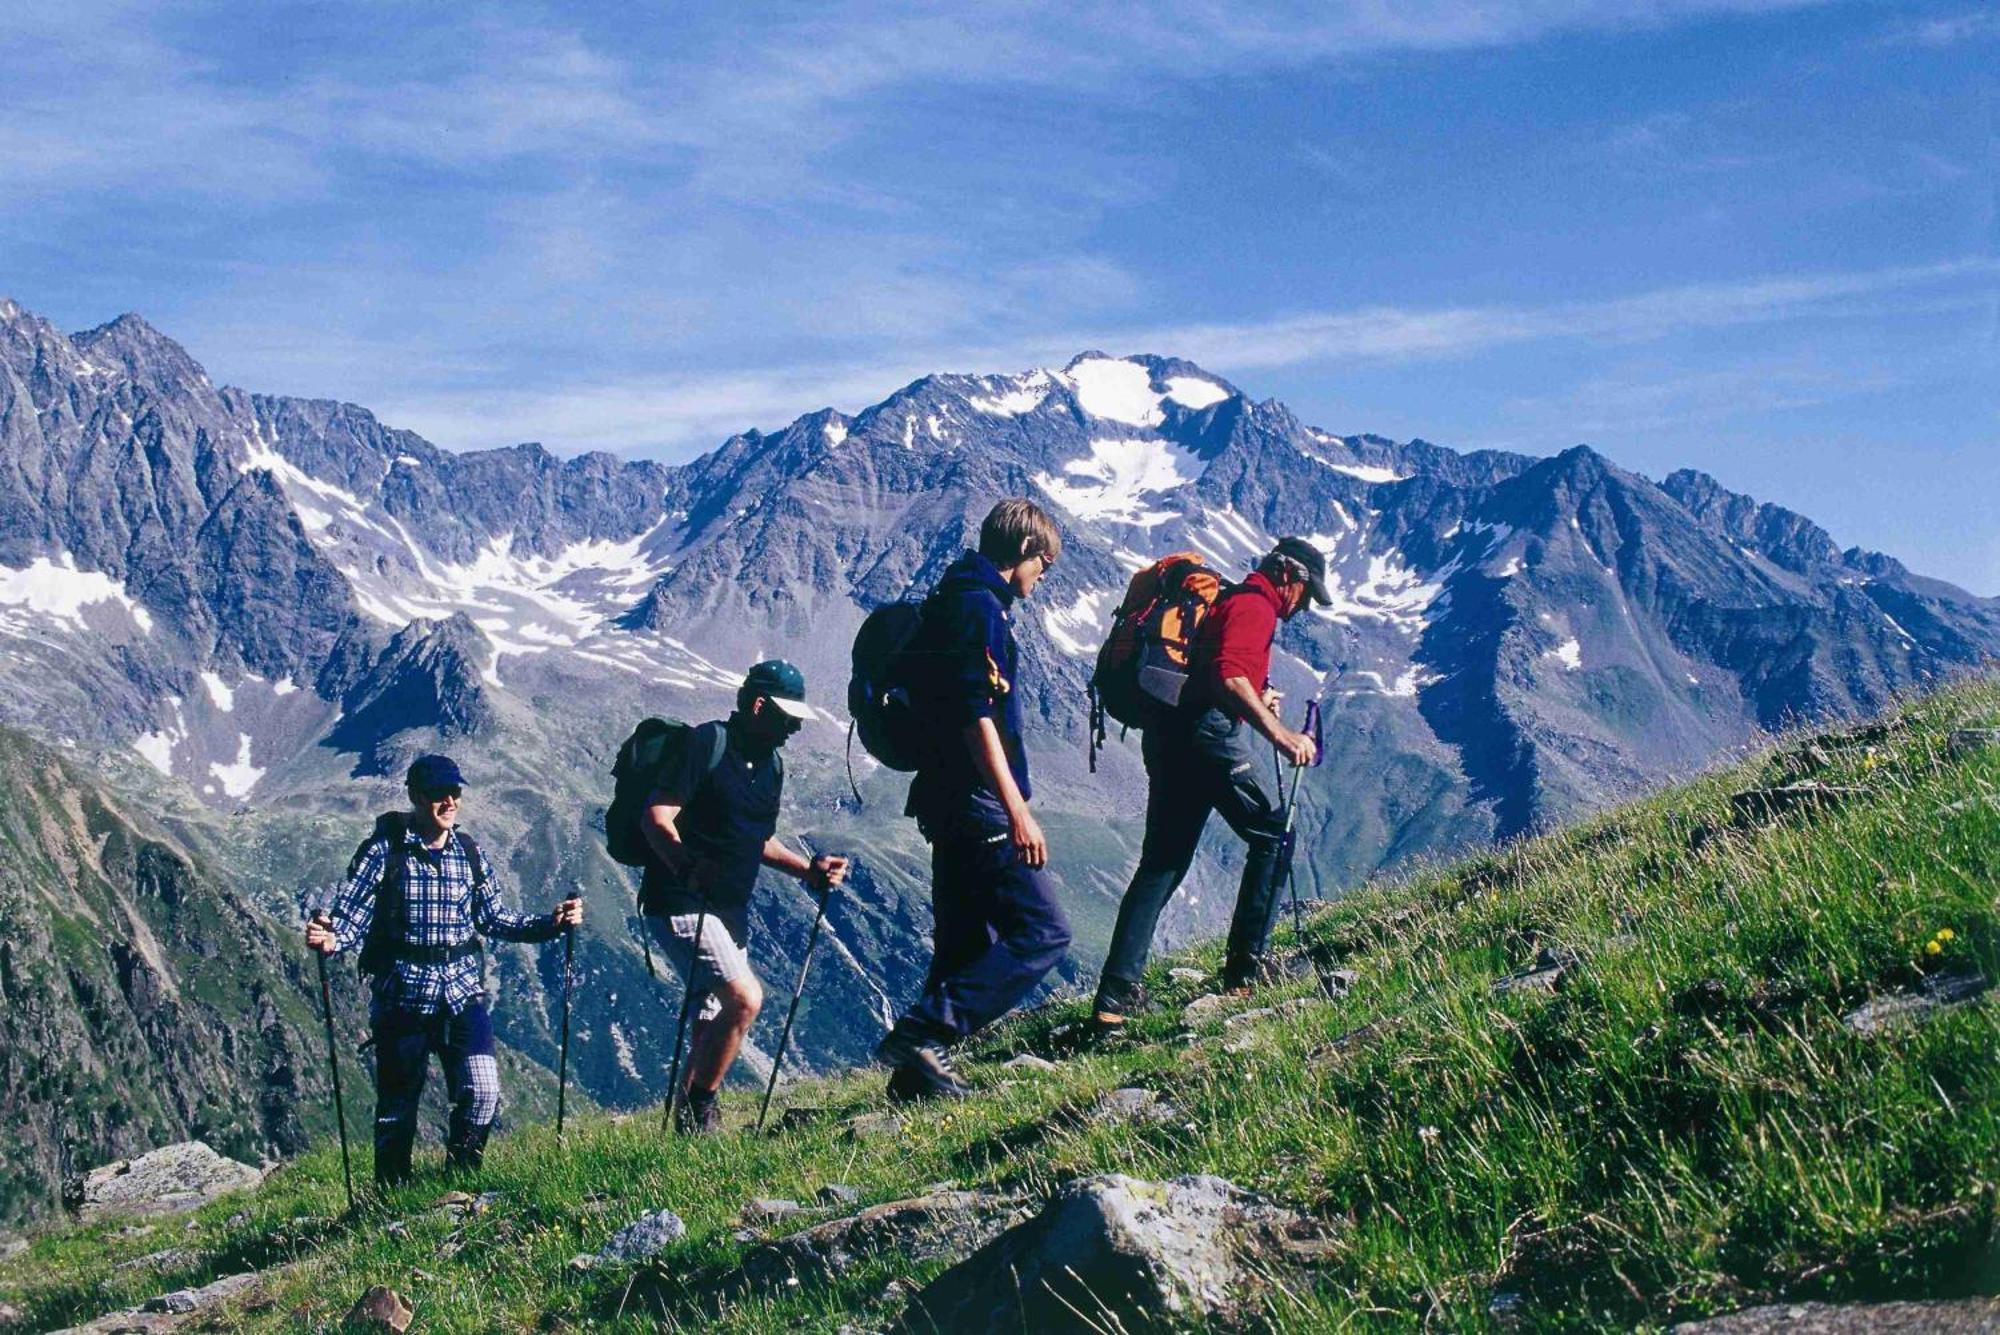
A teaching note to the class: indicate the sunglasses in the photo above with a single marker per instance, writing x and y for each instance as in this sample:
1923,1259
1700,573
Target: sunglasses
433,796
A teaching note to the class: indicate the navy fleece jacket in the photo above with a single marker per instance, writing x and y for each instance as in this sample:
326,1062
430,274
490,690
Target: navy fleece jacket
966,661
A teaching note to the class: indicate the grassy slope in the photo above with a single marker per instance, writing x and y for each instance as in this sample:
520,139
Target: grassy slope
1685,1127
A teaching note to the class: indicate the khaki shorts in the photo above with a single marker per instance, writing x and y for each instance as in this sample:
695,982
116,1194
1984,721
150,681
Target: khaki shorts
703,967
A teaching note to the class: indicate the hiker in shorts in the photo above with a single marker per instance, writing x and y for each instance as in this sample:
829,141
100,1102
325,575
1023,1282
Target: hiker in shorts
418,895
1203,758
998,928
711,823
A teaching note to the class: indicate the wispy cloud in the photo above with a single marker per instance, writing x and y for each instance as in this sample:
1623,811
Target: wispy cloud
1397,334
675,415
1948,30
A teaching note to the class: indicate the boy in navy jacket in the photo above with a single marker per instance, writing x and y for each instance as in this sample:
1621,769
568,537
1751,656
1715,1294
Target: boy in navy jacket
998,927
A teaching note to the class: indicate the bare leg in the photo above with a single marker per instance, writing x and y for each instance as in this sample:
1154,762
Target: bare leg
717,1041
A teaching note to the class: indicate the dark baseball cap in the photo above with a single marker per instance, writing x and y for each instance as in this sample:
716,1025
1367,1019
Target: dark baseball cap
430,773
782,684
1302,552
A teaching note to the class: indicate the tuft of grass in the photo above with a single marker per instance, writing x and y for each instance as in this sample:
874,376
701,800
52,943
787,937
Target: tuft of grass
1684,1126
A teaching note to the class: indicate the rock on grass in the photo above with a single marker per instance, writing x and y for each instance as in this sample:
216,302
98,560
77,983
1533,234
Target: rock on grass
646,1236
1122,1252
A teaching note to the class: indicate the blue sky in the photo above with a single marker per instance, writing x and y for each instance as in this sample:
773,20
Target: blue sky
1754,238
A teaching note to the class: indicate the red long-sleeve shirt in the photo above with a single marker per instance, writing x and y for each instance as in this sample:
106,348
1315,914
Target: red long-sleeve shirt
1234,640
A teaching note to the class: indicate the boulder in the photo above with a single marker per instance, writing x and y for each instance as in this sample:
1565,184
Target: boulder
1545,975
838,1193
646,1236
1185,975
765,1210
1132,1105
165,1312
873,1126
1028,1061
171,1180
1204,1009
946,1223
12,1247
1898,1009
1114,1252
1971,741
1759,806
381,1308
1960,1316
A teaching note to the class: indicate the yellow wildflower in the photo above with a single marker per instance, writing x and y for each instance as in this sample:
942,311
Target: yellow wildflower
1933,948
1946,934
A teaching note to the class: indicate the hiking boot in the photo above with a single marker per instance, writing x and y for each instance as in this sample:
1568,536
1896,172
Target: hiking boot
1105,1029
698,1116
922,1069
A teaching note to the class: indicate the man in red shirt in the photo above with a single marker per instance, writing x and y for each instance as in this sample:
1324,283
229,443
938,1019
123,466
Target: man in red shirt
1202,759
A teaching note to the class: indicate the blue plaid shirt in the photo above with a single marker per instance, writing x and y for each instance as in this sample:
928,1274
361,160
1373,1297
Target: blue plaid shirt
445,900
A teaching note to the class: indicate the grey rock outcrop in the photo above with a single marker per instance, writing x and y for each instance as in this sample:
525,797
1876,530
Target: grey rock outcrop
944,1223
169,1180
1118,1252
1937,993
646,1236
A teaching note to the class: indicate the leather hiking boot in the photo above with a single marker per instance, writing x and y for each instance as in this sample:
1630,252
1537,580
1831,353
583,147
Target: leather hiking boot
922,1069
1106,1029
698,1117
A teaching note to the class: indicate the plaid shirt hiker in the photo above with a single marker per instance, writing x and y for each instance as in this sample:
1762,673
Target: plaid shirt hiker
445,901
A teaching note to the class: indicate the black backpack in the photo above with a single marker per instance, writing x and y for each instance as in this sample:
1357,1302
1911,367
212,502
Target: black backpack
878,692
652,746
386,927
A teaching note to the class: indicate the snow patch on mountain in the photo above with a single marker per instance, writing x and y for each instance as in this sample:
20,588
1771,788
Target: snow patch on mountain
1191,391
1389,592
218,691
59,591
1115,481
157,748
1116,391
1407,684
1569,653
1076,625
1226,532
239,777
1015,397
1368,472
836,432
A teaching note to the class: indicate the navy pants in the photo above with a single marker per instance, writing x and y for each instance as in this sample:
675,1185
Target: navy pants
999,929
404,1042
1194,767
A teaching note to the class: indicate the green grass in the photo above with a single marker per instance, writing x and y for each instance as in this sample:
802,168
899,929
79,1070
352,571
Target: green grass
1685,1127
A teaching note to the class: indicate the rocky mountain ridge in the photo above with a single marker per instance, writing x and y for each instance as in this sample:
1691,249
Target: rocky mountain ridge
256,609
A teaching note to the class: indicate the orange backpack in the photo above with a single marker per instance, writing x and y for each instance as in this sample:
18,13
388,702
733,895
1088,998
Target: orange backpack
1143,666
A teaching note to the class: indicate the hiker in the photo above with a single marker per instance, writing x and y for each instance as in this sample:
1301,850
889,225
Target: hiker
998,928
710,823
1199,758
417,891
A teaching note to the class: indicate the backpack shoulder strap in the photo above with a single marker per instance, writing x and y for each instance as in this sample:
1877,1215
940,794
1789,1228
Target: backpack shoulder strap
473,857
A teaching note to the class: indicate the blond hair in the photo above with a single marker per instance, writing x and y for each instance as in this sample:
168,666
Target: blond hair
1017,529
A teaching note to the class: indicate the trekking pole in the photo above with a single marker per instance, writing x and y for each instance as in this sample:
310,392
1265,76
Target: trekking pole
687,1006
1288,845
562,1063
333,1061
798,991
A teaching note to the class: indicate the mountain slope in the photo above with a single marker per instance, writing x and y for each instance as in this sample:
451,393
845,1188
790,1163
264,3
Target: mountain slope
1675,1061
274,603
